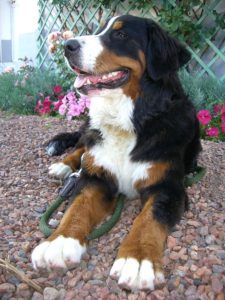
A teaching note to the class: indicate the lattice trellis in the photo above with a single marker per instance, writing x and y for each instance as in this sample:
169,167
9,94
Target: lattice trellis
85,17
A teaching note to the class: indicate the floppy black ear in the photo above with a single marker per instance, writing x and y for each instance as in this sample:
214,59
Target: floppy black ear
164,53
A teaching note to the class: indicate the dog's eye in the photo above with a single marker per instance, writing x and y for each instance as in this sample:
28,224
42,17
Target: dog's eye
119,34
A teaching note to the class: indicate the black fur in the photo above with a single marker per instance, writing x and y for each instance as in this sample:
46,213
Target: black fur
164,118
61,142
107,185
165,54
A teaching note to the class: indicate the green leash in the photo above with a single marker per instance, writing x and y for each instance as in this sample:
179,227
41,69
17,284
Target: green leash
108,225
190,179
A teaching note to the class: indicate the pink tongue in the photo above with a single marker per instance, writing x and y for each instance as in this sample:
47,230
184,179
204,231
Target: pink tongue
81,80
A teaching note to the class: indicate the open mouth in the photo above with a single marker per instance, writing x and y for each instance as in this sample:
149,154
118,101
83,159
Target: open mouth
111,80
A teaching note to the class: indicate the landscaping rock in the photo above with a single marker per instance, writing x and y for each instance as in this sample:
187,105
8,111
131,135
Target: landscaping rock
194,258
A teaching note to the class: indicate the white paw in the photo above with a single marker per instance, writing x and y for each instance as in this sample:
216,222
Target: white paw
132,274
61,253
60,170
50,150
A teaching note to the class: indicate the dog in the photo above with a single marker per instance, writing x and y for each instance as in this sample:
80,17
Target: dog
141,138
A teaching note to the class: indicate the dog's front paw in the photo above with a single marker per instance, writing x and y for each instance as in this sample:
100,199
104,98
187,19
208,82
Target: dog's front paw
54,148
61,253
133,274
60,170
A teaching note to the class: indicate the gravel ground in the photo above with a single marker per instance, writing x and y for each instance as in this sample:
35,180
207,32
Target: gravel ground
194,260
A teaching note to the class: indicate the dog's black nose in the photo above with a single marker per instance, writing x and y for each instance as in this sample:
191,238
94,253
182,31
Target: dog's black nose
71,45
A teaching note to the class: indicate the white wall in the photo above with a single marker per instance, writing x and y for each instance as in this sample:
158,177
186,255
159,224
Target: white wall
25,25
5,30
19,22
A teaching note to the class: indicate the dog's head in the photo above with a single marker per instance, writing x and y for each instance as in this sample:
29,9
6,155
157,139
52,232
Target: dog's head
119,55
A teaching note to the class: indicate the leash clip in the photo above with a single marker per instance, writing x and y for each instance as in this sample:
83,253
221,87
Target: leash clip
69,184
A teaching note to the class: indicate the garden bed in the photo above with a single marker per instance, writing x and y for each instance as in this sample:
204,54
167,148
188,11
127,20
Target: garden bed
194,259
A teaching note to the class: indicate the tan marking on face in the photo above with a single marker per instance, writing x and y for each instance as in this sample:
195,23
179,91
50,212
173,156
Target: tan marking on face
73,160
146,239
156,173
109,62
88,209
117,25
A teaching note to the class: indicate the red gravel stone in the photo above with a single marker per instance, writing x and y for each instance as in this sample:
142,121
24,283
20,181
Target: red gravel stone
194,255
171,242
6,288
217,285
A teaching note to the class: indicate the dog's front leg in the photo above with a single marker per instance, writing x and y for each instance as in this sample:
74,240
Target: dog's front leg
69,164
138,263
64,248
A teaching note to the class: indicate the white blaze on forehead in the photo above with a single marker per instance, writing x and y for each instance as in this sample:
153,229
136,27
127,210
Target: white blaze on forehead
91,47
111,21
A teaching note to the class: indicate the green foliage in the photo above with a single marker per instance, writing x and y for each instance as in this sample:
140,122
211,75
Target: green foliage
180,18
204,91
65,76
20,91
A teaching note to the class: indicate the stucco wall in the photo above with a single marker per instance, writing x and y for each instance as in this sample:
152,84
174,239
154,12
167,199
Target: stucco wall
18,22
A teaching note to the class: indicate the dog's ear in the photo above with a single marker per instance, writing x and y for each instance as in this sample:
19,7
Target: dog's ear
164,53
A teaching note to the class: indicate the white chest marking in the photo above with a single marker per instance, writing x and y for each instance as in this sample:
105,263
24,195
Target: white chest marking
112,115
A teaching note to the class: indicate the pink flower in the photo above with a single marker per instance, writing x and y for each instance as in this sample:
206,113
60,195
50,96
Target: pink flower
71,97
47,102
52,48
88,102
57,104
74,110
45,110
38,106
223,117
8,70
67,35
60,97
54,36
204,116
73,107
217,108
63,109
85,100
45,107
57,89
223,127
212,132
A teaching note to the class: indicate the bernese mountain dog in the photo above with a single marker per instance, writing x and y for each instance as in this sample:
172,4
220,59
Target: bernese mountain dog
141,138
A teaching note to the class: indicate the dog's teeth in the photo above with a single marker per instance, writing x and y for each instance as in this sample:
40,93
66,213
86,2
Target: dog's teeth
88,81
104,77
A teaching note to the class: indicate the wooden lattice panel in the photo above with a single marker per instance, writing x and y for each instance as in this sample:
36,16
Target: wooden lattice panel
85,17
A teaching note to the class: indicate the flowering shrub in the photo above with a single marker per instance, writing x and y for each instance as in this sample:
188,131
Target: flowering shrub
50,104
56,48
72,106
213,124
20,89
69,105
8,70
66,105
